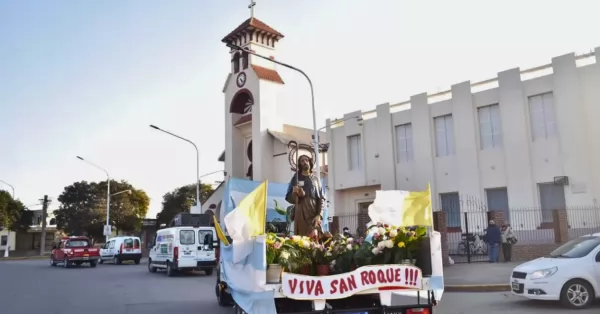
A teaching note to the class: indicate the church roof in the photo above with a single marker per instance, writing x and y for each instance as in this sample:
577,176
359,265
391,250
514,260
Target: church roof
249,25
267,74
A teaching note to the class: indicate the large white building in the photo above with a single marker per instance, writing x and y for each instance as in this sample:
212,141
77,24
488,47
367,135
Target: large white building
525,139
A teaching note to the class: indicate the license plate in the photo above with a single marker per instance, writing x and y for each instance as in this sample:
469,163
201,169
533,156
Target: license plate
515,286
85,258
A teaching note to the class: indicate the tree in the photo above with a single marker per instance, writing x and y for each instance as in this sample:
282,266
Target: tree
83,208
181,200
81,211
13,214
126,209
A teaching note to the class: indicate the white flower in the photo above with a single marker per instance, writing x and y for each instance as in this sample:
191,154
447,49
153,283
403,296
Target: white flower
389,244
349,247
333,263
393,233
296,238
375,251
381,230
306,244
284,255
328,253
381,245
349,240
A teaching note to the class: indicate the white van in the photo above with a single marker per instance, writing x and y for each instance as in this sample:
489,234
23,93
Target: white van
123,248
183,249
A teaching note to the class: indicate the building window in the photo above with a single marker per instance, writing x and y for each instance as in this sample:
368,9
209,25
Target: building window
451,206
354,152
404,143
490,129
552,196
4,241
236,62
497,200
543,120
444,136
244,60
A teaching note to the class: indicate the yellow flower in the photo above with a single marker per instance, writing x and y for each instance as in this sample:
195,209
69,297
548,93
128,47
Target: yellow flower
401,244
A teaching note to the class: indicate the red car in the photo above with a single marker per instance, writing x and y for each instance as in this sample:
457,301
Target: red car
74,250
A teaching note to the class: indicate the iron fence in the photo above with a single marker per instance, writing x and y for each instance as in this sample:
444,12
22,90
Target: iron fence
468,218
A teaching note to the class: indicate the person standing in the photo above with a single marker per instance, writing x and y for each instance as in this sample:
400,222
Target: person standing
508,239
493,237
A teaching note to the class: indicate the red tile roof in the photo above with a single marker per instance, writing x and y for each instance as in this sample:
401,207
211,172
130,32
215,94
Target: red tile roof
267,74
251,24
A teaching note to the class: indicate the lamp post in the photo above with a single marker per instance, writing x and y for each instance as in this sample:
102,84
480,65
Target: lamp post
7,227
106,232
312,98
198,202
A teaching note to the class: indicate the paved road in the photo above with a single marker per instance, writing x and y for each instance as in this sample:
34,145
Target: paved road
35,287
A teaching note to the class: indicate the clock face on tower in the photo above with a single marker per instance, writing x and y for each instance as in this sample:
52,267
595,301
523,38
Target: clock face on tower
241,79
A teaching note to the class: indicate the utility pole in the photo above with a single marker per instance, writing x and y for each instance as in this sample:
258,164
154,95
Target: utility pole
45,203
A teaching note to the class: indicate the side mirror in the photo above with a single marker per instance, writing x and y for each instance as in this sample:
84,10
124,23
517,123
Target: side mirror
208,241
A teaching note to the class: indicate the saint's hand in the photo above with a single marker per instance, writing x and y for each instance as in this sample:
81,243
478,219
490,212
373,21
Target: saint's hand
299,191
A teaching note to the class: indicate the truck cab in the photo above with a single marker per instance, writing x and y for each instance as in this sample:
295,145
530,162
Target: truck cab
76,250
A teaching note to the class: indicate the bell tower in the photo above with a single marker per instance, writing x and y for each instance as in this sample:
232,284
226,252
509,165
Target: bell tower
251,91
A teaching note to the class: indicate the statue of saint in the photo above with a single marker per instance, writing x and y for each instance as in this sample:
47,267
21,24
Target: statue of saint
306,194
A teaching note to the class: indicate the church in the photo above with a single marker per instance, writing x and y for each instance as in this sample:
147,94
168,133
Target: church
258,144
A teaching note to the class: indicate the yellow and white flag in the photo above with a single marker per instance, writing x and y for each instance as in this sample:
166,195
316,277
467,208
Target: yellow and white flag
220,233
402,208
249,218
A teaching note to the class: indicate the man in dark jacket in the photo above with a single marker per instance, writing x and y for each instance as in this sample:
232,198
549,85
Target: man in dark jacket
493,238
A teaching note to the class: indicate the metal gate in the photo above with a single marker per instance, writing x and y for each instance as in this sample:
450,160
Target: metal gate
467,220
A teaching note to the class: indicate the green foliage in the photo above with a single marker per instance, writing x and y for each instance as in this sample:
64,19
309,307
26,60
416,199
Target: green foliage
180,200
13,214
82,208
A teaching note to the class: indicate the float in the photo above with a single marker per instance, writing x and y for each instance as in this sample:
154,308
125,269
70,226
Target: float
388,269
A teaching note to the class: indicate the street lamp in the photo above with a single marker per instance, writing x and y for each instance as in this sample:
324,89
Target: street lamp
8,230
198,202
106,232
312,97
125,191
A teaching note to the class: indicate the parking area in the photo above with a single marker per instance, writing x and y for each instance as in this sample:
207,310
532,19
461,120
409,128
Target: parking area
33,286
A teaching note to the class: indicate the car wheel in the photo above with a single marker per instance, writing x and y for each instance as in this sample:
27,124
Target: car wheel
100,261
66,263
92,264
208,272
151,268
170,271
116,260
223,298
577,294
137,261
52,262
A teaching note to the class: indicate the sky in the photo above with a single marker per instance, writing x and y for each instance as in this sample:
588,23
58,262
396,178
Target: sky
87,78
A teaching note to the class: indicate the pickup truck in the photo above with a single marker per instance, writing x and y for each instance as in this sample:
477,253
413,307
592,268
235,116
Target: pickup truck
75,250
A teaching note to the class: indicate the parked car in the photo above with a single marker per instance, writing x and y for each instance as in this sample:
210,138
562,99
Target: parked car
76,250
570,274
120,249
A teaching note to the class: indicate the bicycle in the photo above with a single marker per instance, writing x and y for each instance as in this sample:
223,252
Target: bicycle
475,243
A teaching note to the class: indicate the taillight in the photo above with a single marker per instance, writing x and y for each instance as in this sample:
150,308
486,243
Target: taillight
175,253
417,311
121,249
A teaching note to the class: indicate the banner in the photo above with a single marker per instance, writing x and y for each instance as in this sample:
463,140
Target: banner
236,189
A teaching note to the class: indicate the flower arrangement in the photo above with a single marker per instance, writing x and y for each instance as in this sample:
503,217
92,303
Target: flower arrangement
340,254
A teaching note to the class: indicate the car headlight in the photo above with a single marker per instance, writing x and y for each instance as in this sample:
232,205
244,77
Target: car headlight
543,273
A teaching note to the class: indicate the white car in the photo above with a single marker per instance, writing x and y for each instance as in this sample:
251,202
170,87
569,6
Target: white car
570,274
120,249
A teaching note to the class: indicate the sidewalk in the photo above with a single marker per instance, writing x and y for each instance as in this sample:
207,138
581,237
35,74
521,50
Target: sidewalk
478,277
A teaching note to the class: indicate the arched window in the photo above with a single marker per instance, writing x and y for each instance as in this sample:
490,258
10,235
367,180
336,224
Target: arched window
244,60
236,62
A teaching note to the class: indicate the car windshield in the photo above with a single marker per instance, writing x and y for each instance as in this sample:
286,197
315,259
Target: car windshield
77,243
576,248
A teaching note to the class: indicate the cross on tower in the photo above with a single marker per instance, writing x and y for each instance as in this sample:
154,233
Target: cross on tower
251,7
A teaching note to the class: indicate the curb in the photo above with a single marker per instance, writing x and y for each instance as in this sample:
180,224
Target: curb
22,258
478,288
